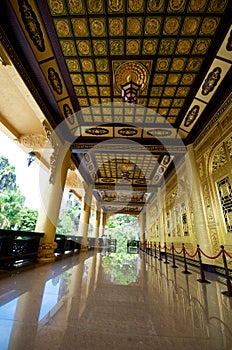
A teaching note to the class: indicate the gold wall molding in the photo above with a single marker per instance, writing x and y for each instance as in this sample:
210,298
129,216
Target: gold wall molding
225,106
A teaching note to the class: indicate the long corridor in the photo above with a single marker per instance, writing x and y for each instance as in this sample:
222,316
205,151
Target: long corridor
94,301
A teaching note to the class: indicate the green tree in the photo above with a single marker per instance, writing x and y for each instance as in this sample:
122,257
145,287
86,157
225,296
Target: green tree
13,214
121,266
68,221
28,218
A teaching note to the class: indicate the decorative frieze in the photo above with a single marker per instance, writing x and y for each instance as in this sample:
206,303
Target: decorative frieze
33,140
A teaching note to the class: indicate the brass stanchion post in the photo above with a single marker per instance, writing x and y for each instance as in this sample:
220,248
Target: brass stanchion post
228,292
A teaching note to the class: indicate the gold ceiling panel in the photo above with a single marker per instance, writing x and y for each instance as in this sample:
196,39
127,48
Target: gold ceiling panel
161,45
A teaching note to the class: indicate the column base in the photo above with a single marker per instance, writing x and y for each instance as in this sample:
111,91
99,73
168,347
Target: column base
84,248
46,260
46,252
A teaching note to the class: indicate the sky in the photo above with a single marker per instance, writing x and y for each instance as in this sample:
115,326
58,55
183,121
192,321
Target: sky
26,177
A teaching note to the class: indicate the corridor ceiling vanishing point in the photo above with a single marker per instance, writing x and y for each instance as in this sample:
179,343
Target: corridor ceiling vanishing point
75,55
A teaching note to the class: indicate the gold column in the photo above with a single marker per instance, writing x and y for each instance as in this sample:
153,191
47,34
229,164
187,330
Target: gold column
102,223
97,222
202,235
142,226
85,214
26,318
49,211
161,206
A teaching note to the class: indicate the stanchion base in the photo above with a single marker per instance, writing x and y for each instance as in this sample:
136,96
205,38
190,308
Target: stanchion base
203,281
187,272
160,259
174,266
166,262
227,293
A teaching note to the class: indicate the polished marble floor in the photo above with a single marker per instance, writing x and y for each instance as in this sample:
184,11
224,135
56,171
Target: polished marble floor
94,301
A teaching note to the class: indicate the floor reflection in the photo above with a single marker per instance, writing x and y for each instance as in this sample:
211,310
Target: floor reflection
93,300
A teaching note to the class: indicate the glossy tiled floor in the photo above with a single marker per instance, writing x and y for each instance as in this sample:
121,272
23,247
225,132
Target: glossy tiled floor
114,302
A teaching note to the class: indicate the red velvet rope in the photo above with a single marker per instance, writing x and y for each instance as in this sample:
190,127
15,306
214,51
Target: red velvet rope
177,251
211,257
192,255
228,254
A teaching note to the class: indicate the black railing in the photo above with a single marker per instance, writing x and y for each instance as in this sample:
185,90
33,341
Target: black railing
18,248
67,244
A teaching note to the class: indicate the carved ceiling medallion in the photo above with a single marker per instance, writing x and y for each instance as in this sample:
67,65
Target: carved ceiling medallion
131,70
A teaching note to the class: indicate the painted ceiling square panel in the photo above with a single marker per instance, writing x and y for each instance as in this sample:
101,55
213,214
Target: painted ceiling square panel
104,91
115,6
209,26
102,65
63,28
174,111
57,9
197,6
176,6
132,47
194,64
116,26
73,65
162,64
169,91
98,27
84,48
149,46
76,7
159,79
178,64
135,6
117,47
171,25
80,27
182,91
155,6
184,46
99,47
152,26
217,6
95,7
68,48
90,79
134,26
190,26
167,46
103,79
201,46
80,91
87,65
92,90
94,101
188,79
173,79
105,100
76,79
83,102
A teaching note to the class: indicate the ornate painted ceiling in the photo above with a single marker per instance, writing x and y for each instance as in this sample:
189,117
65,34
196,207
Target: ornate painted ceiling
75,55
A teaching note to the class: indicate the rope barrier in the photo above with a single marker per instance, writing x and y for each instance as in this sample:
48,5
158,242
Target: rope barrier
165,252
173,257
185,262
160,252
198,252
202,279
228,292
